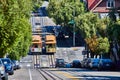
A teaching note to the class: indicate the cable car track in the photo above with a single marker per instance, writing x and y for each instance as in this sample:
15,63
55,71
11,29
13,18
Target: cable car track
47,75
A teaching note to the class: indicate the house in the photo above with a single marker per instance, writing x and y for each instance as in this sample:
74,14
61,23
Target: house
103,7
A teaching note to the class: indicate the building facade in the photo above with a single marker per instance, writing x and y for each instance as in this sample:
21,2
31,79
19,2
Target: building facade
103,7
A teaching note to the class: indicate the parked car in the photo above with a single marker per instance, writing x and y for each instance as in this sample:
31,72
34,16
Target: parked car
76,64
3,74
60,63
117,65
9,68
0,77
84,62
93,63
106,64
87,62
14,67
16,64
68,65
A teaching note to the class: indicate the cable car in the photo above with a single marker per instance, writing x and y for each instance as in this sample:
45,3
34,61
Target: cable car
36,47
50,44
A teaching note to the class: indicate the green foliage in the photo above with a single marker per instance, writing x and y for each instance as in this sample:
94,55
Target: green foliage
99,45
93,29
103,46
14,24
92,43
112,15
87,24
36,4
103,26
113,30
62,11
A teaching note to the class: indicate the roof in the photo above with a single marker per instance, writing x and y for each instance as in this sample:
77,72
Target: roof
93,3
50,39
36,39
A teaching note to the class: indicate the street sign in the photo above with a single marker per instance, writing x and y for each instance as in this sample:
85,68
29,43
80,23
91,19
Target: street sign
71,22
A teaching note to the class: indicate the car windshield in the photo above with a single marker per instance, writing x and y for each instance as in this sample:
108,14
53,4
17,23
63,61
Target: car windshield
60,60
76,61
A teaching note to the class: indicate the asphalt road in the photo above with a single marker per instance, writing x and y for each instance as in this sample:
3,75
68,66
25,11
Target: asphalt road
28,72
65,74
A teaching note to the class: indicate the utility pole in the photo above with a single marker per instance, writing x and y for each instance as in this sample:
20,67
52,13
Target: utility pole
74,29
73,23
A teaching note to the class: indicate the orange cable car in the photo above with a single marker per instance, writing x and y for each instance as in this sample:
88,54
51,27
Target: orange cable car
50,44
36,44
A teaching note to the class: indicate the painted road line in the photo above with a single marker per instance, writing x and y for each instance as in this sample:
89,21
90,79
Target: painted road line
28,65
68,75
30,74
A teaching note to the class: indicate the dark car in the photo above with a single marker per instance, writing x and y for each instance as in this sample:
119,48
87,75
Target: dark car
3,74
9,68
93,63
14,67
60,63
117,65
0,77
106,64
68,65
16,64
76,64
87,62
83,63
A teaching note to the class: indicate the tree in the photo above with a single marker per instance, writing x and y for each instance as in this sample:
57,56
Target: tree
87,24
103,46
24,41
63,11
14,20
98,45
112,15
8,35
102,28
92,45
113,30
36,4
93,30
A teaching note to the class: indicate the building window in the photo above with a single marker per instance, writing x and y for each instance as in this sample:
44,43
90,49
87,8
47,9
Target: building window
110,3
37,23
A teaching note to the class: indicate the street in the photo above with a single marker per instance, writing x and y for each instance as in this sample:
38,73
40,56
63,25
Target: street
28,72
63,74
60,40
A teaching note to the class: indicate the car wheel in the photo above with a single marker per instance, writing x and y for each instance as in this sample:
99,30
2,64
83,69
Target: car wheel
99,68
11,73
5,78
